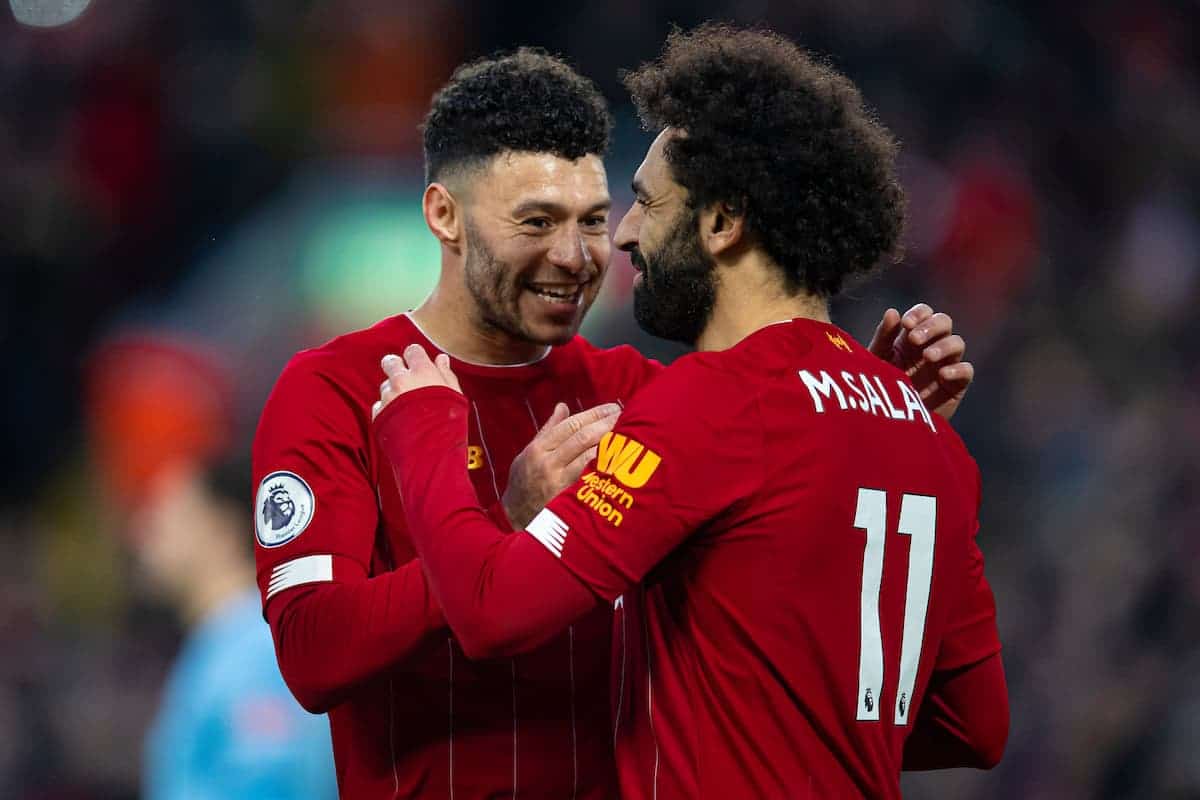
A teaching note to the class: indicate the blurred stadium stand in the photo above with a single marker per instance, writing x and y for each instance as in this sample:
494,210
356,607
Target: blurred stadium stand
247,173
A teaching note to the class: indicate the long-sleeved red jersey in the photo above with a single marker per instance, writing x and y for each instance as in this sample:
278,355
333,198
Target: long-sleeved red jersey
357,630
789,536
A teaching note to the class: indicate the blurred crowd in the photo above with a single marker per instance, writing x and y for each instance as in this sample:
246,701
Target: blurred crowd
241,178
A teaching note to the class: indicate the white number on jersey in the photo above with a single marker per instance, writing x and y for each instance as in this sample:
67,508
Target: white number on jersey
918,514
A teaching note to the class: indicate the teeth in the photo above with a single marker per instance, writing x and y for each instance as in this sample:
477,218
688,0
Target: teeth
551,295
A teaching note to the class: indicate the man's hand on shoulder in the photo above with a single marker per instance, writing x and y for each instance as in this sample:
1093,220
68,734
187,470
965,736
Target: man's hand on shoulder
411,372
924,345
550,463
554,459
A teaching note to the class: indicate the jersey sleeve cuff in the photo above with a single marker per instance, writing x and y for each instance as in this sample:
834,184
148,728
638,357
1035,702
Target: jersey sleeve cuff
426,400
418,420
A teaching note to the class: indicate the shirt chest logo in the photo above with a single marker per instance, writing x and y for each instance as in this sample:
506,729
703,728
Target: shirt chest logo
474,456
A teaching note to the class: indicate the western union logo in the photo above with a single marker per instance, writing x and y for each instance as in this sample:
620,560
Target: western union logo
628,461
604,496
838,342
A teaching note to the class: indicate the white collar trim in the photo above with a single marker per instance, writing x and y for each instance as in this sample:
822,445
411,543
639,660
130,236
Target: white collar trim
531,362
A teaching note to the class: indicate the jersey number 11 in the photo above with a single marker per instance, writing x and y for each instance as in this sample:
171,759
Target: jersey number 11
918,513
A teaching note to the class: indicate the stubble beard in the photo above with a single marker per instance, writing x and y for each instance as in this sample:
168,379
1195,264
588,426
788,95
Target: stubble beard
495,294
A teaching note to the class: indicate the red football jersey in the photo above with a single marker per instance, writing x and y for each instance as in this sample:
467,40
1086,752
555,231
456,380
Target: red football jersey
431,723
804,534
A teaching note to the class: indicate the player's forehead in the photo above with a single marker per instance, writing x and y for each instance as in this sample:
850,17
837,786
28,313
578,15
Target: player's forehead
654,175
514,179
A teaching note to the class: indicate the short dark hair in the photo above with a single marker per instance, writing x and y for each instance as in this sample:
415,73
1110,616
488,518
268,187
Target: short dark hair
524,101
784,139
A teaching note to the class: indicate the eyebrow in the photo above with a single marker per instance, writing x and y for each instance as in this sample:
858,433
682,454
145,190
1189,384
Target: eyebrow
556,209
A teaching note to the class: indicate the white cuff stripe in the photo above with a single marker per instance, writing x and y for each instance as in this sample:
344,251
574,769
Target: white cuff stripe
307,569
549,529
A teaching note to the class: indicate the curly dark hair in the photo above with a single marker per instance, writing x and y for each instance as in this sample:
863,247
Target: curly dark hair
783,139
525,101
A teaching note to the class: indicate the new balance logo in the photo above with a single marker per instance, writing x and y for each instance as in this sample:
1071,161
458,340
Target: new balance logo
549,529
839,342
298,571
628,461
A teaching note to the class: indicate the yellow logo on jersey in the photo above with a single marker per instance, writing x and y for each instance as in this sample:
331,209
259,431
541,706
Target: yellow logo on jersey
629,461
604,497
838,342
474,456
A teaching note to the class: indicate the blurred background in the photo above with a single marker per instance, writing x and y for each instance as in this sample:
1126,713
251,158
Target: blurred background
238,179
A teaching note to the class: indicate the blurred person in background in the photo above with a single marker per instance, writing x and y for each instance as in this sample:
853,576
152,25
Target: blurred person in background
517,196
227,726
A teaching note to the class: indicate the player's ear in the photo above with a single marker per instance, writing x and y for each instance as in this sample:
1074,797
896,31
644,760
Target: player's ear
722,227
443,215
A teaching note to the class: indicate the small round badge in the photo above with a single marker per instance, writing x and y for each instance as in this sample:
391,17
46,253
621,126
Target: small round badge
283,506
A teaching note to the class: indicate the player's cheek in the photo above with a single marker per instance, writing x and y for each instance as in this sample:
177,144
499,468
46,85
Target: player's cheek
600,250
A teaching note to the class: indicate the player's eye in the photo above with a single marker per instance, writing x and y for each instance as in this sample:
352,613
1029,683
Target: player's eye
597,221
540,223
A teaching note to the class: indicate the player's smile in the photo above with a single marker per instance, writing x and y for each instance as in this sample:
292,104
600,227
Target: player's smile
554,309
559,294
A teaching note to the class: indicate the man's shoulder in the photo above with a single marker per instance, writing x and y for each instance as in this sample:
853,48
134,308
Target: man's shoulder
620,356
754,363
352,349
351,360
737,372
621,370
697,418
698,388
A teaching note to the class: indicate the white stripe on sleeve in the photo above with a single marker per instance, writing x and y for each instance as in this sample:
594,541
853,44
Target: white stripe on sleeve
549,529
306,569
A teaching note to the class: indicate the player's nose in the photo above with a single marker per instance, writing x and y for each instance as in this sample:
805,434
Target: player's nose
626,237
570,253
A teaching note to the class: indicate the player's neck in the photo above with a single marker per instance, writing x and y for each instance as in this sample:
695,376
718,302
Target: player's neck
750,296
450,323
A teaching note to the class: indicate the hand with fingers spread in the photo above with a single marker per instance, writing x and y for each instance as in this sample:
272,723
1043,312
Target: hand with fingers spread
413,371
554,459
924,345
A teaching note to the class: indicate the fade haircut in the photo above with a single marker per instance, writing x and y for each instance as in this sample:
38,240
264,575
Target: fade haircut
783,139
525,101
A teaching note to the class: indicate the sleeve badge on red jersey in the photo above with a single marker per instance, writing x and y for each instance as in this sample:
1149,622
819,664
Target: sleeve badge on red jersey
283,508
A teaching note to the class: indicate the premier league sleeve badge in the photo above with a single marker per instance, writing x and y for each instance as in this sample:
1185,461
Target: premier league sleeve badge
284,506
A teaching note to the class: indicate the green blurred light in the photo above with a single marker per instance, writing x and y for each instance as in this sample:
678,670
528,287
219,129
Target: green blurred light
367,261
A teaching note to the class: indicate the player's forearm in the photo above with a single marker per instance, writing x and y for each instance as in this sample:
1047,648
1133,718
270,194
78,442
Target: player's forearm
963,720
330,637
501,594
